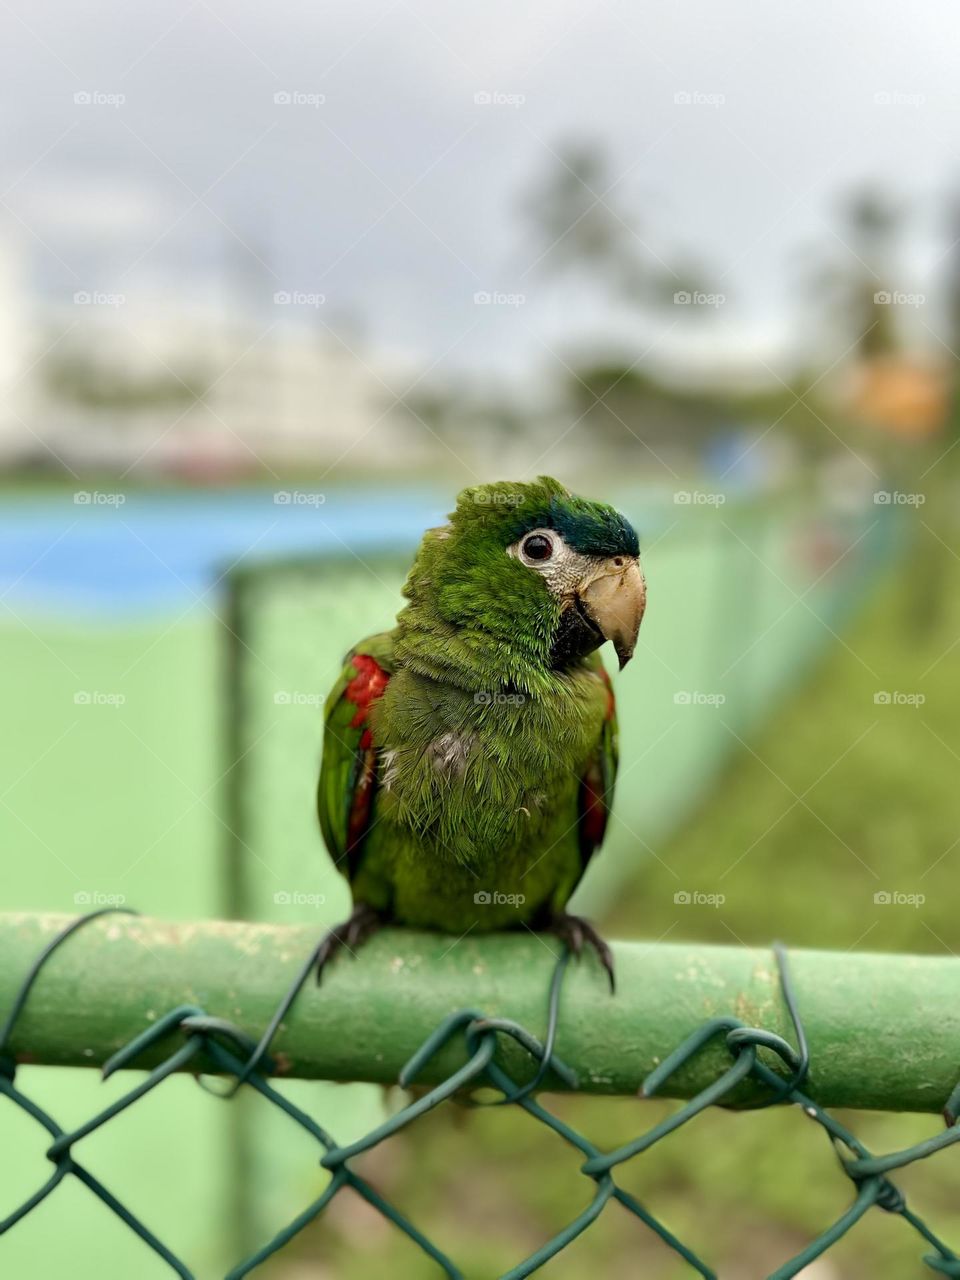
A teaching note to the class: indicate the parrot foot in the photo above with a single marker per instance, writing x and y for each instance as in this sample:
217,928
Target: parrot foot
356,929
575,932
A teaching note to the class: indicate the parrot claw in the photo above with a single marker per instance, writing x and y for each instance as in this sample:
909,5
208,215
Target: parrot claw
575,932
350,933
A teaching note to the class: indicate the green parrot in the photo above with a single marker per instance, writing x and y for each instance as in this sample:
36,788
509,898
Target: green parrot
469,754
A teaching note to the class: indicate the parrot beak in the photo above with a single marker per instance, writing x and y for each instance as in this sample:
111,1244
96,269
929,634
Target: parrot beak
614,599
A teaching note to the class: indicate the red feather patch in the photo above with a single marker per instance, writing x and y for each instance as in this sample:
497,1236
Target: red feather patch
593,808
365,687
363,690
593,811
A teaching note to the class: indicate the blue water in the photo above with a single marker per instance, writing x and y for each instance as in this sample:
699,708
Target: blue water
156,553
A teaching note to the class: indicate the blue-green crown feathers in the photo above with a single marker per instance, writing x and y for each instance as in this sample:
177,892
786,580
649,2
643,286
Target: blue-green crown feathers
592,528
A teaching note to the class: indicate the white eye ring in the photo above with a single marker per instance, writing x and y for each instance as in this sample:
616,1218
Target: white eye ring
537,561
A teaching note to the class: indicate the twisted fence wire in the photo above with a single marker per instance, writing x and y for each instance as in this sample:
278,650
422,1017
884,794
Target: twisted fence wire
208,1043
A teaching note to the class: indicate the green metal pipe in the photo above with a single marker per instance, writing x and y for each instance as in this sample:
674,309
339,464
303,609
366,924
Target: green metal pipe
241,1206
884,1030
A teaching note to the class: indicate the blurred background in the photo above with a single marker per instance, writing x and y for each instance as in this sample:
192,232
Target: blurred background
276,283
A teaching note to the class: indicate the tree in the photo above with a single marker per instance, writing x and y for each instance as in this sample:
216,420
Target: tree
577,215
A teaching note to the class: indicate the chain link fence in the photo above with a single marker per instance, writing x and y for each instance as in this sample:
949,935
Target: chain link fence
202,1042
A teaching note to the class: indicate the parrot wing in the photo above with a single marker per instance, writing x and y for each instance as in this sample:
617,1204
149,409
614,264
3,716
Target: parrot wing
595,796
348,773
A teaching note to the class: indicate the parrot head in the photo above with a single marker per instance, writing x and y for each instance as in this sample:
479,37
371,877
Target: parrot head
527,576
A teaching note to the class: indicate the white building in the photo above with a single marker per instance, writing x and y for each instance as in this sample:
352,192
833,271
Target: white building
172,385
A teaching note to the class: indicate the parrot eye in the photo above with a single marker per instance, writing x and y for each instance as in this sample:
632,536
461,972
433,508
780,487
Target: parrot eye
538,547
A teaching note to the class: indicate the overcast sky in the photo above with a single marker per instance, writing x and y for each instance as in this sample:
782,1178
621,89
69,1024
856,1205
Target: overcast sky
398,195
